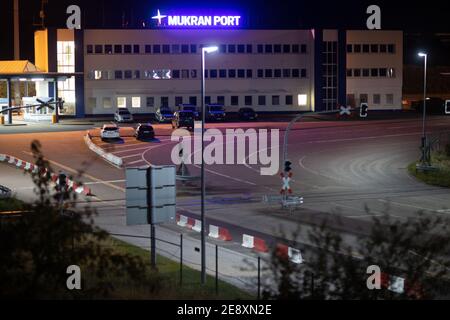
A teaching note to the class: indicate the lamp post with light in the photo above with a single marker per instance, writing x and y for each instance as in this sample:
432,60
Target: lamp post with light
205,50
425,56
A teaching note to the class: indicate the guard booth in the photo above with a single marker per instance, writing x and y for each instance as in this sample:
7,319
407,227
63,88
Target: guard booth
13,73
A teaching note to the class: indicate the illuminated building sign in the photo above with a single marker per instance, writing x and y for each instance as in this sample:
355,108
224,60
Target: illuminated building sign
197,20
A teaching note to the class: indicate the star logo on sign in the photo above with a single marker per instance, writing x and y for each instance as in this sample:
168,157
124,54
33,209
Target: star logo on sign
345,110
159,17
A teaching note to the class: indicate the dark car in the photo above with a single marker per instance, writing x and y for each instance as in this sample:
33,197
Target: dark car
144,131
433,106
215,112
247,114
189,107
183,119
164,114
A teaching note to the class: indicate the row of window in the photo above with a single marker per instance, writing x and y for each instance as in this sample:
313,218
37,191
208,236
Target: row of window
376,99
371,48
192,48
167,74
136,102
371,72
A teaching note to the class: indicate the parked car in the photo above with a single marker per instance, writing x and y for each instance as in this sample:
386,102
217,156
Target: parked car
164,114
183,119
215,112
144,131
247,114
433,106
189,107
110,131
123,115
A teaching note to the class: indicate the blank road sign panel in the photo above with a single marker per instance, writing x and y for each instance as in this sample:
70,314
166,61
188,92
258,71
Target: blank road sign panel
137,216
136,177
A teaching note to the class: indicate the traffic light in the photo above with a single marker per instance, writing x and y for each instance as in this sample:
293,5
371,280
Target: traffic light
363,110
287,166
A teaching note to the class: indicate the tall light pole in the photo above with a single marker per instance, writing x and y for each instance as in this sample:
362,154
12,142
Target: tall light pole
425,56
203,245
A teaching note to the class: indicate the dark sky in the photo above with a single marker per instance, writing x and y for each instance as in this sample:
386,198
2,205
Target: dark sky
420,20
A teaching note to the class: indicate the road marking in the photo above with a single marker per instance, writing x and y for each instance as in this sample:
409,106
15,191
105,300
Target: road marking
110,181
134,162
69,169
406,205
131,156
365,138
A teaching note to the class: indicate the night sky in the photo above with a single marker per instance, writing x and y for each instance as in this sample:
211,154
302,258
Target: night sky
423,22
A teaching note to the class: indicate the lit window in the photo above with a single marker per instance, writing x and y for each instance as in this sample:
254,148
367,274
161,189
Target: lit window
136,102
302,100
107,103
121,102
97,74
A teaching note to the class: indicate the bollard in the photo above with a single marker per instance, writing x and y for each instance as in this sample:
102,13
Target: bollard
2,119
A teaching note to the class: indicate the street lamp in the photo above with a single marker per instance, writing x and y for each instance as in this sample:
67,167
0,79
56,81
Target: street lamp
210,49
425,56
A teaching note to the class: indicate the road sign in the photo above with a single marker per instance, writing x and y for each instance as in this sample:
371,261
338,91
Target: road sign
285,187
345,110
447,106
363,110
150,195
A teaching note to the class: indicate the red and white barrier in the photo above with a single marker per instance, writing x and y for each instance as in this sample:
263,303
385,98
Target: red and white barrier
290,253
27,166
183,220
219,233
197,226
254,243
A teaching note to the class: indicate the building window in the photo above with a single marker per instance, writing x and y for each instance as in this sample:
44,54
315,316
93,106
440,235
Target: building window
374,72
135,102
376,99
295,73
89,49
148,48
231,48
249,48
277,73
164,102
286,73
99,49
92,103
234,100
213,73
121,102
178,100
349,72
374,48
150,102
118,74
275,100
222,73
193,74
390,99
221,100
193,100
260,48
383,48
136,49
289,100
261,100
231,73
127,48
303,73
303,48
156,48
249,73
207,99
349,48
136,74
268,48
176,74
357,72
223,48
108,49
260,73
248,100
268,73
295,48
175,48
277,48
241,48
107,103
241,73
302,100
357,48
363,98
366,48
185,74
193,48
165,48
117,48
365,72
184,48
391,48
383,72
286,48
128,74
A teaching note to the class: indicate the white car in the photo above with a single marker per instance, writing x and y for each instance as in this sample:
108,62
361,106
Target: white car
123,115
110,131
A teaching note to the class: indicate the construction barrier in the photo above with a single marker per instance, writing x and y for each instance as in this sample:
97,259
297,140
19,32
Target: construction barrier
219,233
102,153
254,243
197,226
285,252
183,220
248,241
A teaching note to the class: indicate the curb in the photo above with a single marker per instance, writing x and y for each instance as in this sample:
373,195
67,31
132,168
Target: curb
27,166
115,160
